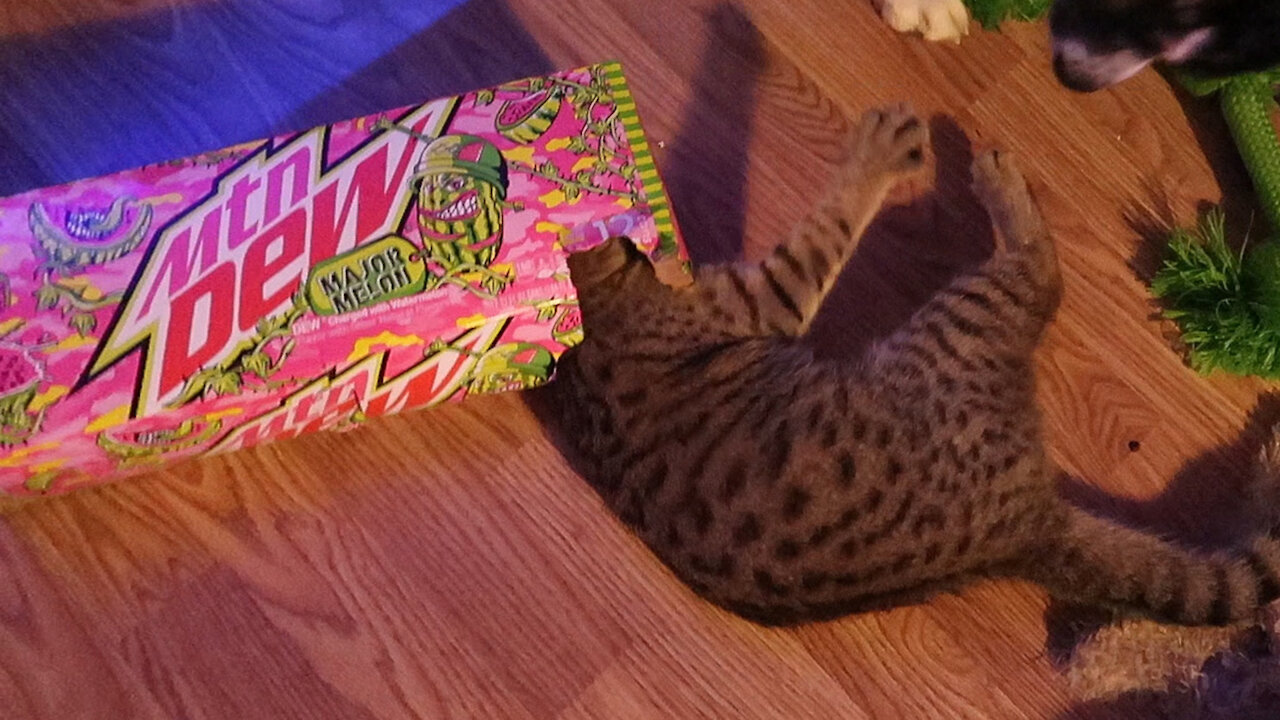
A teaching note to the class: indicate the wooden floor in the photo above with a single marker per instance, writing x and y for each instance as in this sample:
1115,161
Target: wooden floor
448,564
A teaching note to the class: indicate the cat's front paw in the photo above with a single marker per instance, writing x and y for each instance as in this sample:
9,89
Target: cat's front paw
998,182
888,142
934,19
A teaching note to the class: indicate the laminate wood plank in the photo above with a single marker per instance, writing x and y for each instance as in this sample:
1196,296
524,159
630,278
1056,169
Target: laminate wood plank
26,18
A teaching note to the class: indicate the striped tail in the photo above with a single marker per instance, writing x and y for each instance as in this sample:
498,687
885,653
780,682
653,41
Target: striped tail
1098,562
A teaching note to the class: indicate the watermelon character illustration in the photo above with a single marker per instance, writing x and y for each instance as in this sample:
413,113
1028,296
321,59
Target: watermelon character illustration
73,239
524,120
461,187
20,377
134,447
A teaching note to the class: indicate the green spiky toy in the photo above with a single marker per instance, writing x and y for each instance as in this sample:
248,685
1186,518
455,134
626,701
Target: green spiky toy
990,13
1227,302
949,19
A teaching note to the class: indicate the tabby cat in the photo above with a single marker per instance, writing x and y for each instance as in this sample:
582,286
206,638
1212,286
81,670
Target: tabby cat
787,489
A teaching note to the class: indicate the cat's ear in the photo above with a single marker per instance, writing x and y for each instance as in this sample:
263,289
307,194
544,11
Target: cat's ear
603,261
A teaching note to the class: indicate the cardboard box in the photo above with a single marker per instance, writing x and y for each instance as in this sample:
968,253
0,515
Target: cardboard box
310,281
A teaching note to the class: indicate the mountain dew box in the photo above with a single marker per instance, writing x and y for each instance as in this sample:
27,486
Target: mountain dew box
311,281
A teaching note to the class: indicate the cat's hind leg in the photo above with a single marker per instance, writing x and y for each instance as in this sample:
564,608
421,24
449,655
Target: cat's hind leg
985,324
1024,246
781,294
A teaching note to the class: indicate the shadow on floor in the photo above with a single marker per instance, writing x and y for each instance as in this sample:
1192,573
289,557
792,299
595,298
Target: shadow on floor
706,171
1201,503
1153,222
1204,505
908,253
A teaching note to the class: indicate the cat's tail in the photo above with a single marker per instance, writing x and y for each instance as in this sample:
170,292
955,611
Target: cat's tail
1095,561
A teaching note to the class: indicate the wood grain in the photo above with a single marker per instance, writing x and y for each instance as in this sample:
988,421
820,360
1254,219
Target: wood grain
449,564
29,18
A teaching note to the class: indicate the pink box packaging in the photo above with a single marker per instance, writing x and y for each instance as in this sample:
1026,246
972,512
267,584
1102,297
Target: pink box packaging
310,281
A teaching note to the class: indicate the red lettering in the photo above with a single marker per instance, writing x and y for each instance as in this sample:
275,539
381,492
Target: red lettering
240,227
326,231
288,241
425,388
307,411
207,303
298,165
181,261
380,404
339,403
347,406
369,196
272,428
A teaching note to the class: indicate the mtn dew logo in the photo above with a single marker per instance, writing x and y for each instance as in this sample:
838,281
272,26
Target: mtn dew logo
241,255
361,390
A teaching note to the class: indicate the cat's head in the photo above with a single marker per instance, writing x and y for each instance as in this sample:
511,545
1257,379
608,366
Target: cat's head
615,283
611,263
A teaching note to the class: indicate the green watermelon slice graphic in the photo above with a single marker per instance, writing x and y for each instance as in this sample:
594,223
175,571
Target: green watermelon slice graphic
128,445
74,237
513,366
526,119
20,377
568,328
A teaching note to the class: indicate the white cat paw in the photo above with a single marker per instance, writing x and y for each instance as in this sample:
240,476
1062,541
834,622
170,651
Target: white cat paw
935,19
